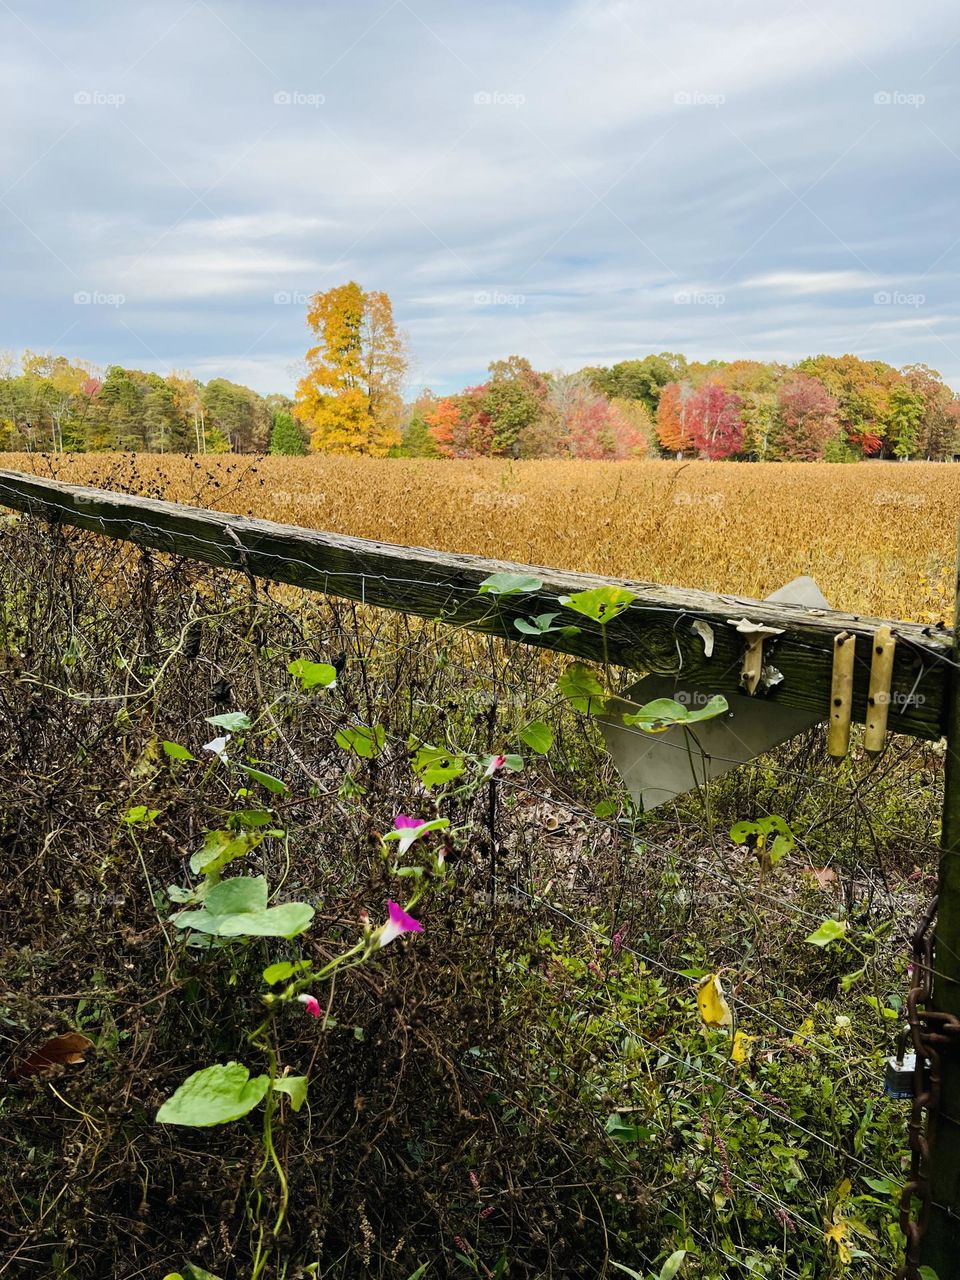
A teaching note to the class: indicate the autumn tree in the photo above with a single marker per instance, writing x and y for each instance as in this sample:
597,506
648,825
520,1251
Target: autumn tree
578,421
714,421
672,430
349,398
806,419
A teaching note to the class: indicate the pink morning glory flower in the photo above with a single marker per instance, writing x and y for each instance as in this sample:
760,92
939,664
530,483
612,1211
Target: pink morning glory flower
398,923
312,1003
496,763
409,829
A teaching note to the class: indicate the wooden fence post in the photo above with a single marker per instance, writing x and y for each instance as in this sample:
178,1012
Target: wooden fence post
941,1245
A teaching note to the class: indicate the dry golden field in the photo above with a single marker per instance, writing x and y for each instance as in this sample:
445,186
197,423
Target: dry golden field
879,538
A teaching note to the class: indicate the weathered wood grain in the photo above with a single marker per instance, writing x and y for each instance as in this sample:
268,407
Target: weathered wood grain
655,634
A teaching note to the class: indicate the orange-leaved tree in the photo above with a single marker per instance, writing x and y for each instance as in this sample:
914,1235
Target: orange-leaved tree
349,399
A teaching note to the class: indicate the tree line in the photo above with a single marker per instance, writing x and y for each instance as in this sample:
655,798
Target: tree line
50,403
349,401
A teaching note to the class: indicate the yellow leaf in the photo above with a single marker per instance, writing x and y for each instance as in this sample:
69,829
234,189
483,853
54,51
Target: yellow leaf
712,1004
804,1031
742,1047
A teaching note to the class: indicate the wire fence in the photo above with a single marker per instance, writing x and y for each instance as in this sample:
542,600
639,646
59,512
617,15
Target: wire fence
530,1087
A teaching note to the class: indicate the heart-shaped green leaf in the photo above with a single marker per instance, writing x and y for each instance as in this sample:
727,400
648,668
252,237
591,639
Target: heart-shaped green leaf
215,1095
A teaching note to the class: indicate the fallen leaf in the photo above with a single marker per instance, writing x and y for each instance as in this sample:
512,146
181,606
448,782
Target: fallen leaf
57,1052
824,876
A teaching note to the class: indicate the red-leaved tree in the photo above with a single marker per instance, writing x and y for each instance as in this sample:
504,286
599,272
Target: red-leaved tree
808,418
714,422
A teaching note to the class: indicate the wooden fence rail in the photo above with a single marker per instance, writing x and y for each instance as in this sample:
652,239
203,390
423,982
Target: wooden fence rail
657,633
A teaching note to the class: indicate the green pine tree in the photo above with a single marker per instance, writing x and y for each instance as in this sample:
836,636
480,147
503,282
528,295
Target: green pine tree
286,437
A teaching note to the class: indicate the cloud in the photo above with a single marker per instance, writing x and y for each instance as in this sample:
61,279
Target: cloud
594,159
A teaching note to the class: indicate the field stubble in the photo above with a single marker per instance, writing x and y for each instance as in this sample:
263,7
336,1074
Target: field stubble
878,538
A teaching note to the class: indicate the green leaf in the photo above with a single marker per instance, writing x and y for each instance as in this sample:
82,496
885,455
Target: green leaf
251,818
433,766
509,584
829,931
580,686
265,779
605,808
140,815
629,1271
283,970
176,752
238,908
295,1087
758,836
542,625
602,604
310,675
850,980
215,1095
927,1273
420,1271
364,740
537,736
198,1273
663,713
232,721
221,847
672,1265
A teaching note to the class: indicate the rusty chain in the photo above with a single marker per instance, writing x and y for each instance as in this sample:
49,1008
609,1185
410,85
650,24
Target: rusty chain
929,1029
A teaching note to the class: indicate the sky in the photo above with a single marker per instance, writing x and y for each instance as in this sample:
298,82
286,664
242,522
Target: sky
579,183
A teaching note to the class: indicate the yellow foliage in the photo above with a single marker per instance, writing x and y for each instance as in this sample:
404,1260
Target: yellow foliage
742,1047
349,398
